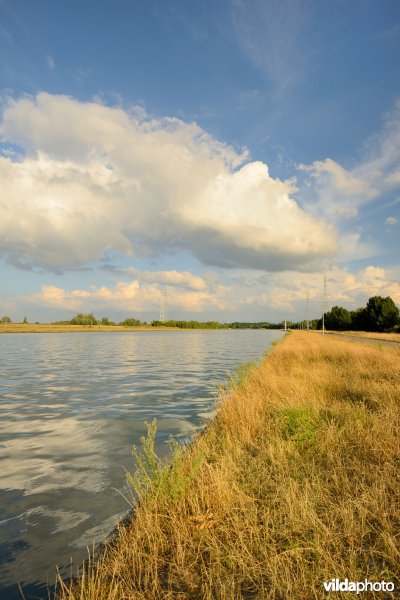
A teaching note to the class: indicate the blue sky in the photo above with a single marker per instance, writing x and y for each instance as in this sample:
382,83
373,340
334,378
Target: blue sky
231,151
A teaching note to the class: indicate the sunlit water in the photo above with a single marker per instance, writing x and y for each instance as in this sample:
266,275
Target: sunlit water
71,406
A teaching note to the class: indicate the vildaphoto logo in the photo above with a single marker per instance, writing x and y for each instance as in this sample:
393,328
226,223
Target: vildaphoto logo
337,585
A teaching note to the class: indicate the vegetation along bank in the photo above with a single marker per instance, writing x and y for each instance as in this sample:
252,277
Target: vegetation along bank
294,483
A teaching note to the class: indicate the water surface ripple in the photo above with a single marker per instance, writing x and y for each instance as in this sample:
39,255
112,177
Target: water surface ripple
71,406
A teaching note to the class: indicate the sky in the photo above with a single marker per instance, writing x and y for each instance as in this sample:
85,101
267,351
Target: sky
231,152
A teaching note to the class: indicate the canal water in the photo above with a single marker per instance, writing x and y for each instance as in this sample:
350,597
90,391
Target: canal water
71,407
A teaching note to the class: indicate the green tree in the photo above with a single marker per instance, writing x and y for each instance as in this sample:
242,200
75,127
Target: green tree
382,313
338,319
81,319
25,320
6,319
359,320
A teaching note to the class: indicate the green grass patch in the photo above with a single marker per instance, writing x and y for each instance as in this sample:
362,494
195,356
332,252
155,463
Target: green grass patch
299,425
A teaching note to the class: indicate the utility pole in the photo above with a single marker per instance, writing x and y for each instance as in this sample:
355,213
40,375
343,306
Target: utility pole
307,321
324,306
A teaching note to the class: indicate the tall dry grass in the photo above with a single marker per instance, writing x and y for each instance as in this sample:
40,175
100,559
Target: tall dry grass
295,482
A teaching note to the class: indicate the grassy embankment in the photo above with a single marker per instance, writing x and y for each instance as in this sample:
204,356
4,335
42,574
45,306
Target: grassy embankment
295,482
50,328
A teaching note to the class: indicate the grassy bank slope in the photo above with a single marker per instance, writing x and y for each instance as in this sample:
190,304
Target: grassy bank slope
295,482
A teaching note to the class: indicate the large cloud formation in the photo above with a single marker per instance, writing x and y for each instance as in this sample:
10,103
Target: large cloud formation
252,292
80,179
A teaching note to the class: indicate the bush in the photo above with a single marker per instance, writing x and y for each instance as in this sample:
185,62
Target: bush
131,322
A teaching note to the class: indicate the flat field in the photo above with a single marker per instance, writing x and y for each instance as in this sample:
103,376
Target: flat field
295,482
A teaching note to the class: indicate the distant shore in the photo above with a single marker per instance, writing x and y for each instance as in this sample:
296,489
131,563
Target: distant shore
67,328
50,328
295,482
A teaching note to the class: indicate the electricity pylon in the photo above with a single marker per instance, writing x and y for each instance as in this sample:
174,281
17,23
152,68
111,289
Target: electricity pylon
163,307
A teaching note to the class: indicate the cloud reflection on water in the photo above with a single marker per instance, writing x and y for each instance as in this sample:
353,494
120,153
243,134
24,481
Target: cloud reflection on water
71,406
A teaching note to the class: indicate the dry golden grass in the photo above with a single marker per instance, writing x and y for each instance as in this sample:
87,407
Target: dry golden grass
295,482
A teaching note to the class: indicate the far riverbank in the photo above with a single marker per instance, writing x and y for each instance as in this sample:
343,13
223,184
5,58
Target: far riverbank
50,328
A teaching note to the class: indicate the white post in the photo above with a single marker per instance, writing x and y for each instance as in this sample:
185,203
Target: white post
323,306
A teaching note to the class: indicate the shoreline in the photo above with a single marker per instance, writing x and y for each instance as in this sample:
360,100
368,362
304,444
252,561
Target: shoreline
50,328
393,338
282,491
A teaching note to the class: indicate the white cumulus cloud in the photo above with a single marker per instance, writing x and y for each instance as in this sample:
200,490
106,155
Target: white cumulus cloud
172,278
133,296
288,291
339,192
90,178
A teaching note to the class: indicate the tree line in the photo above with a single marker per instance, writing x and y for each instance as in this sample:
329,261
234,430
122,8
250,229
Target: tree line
256,325
380,314
190,324
90,319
